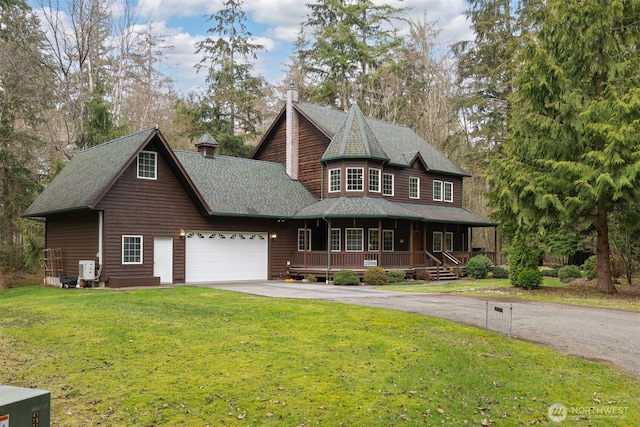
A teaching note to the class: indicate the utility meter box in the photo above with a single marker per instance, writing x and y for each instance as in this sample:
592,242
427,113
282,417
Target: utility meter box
24,407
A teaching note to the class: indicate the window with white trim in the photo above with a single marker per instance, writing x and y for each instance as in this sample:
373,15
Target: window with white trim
147,165
335,239
132,249
353,238
374,239
437,241
334,180
374,180
437,190
448,241
414,188
387,240
448,191
387,184
355,179
301,238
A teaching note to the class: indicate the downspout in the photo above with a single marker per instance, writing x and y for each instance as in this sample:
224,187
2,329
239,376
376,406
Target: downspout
100,233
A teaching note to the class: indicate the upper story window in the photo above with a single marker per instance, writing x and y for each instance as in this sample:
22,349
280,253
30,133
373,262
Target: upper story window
374,180
448,191
387,184
302,236
132,249
147,166
437,190
355,179
334,180
414,188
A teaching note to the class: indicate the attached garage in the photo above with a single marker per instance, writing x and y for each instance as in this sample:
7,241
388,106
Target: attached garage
215,256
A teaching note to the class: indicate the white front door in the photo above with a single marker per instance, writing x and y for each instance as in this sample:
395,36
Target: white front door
163,259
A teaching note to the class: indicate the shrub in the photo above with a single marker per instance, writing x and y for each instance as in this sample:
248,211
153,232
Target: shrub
530,278
374,276
478,267
346,277
568,273
589,267
423,275
311,278
550,272
521,257
396,276
500,273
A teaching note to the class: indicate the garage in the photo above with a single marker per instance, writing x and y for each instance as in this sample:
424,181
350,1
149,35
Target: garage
215,256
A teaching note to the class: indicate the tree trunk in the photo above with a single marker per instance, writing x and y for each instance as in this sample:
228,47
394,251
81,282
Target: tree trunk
603,260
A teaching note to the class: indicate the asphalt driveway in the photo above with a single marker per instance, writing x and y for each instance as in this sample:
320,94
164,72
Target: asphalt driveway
603,335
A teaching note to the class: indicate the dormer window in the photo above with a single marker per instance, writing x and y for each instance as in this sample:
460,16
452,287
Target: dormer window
355,179
334,180
147,165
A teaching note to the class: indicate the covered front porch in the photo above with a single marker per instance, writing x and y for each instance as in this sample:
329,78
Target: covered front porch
423,250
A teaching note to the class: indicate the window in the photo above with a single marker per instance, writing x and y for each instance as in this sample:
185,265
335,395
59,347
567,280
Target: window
414,188
448,241
301,238
334,180
387,240
374,180
354,239
355,179
335,239
437,190
132,249
437,241
374,238
147,165
448,191
387,184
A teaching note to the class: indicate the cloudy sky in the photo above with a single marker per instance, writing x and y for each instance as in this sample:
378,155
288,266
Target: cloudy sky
275,24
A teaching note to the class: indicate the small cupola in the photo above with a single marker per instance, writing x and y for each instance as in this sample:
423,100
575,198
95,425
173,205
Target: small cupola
207,145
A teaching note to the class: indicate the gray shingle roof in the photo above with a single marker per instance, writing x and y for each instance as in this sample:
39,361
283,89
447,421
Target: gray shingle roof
399,143
377,207
236,186
354,139
72,189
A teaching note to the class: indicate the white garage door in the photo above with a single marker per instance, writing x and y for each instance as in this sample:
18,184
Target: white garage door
223,255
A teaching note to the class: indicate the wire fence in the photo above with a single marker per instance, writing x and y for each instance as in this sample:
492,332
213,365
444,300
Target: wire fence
499,319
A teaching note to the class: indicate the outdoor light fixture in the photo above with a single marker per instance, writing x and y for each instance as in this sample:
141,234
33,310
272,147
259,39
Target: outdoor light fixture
182,233
273,235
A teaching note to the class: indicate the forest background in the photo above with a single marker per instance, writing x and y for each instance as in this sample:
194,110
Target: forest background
76,75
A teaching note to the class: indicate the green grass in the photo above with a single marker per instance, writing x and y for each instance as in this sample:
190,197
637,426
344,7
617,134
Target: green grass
197,356
552,290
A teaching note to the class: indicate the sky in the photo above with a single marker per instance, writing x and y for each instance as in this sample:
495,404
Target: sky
274,23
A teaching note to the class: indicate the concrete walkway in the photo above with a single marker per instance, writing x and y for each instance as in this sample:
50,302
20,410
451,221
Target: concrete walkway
602,335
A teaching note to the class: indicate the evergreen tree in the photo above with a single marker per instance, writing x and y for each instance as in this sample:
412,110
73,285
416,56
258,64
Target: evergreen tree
574,149
233,91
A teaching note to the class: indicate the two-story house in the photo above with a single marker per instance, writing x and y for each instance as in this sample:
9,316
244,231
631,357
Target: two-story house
325,190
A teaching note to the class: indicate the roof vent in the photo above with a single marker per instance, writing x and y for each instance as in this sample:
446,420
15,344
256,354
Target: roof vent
207,145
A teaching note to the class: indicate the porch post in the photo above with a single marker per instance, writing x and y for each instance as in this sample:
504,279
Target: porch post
306,243
380,242
328,249
470,239
411,254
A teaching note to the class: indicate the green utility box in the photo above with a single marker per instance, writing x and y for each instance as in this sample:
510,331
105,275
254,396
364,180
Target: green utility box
24,407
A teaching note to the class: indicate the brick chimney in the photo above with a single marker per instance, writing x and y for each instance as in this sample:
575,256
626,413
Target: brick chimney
292,132
207,145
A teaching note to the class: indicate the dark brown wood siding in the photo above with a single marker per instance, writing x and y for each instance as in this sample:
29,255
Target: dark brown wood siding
274,149
76,233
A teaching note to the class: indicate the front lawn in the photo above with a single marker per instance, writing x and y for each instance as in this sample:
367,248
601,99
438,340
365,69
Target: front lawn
552,290
193,356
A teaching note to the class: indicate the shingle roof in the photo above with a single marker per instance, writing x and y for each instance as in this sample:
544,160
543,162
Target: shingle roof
377,207
237,186
72,189
399,143
354,139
